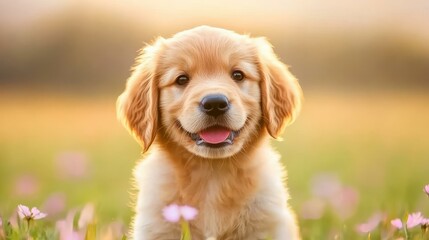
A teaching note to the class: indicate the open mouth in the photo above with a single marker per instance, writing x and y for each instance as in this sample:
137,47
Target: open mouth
215,137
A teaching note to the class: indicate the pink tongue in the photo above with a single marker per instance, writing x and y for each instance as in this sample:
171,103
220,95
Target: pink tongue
215,135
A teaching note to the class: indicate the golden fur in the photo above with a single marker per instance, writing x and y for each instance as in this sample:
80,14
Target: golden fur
238,189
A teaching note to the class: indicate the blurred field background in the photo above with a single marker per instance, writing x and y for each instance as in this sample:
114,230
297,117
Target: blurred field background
363,66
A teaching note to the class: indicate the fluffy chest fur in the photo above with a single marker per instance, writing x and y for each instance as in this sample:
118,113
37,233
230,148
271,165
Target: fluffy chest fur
223,192
241,201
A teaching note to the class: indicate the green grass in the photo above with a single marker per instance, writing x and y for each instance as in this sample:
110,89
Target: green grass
376,143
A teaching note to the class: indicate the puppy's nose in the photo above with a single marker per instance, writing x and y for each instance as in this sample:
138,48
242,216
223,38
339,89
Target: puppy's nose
214,104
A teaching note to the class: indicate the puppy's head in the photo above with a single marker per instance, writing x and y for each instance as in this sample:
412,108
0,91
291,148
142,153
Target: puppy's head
210,91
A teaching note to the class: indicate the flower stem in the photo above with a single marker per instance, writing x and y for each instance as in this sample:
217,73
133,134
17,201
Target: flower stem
406,232
28,227
186,232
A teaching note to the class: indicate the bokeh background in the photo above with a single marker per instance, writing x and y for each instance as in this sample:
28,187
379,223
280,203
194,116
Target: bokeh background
362,136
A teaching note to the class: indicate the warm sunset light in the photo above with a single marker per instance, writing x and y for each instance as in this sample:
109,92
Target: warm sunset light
356,155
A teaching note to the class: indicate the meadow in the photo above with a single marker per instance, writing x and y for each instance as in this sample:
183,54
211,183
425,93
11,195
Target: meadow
350,156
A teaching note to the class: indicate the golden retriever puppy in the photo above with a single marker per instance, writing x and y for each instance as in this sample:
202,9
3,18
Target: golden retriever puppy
203,104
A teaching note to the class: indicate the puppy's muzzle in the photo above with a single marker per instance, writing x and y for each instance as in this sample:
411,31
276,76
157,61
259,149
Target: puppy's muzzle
214,104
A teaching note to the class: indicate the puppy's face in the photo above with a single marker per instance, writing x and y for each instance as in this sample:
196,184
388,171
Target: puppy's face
208,90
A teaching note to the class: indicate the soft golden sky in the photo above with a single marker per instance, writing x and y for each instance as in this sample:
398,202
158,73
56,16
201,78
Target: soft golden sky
410,15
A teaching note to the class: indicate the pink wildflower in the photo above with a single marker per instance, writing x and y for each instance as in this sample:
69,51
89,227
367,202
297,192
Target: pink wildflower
414,219
24,212
397,223
72,165
26,185
371,224
426,189
171,213
342,199
345,202
55,204
313,209
1,229
65,228
188,213
325,186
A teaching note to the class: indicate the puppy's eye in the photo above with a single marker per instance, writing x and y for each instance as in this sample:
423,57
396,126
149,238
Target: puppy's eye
237,75
182,80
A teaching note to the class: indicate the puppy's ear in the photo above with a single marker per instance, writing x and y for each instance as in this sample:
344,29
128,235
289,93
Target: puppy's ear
280,92
137,105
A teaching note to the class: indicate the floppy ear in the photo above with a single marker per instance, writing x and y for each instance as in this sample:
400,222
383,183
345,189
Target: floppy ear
280,92
137,105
